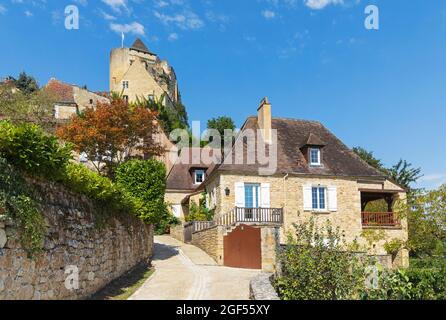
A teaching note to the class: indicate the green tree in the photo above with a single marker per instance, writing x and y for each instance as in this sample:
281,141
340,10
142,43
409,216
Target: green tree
427,224
405,174
146,181
26,84
369,157
221,124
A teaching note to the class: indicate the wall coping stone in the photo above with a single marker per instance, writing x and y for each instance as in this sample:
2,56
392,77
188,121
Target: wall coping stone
260,288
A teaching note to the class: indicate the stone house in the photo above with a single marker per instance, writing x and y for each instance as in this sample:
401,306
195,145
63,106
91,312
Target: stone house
72,99
316,175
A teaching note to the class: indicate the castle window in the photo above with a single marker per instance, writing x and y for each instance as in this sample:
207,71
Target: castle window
315,157
125,84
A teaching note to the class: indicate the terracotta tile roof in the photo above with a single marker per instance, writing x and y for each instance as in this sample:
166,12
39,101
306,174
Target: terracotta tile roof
337,158
181,175
63,92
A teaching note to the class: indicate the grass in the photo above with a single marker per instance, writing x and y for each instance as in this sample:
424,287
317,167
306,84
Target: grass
125,286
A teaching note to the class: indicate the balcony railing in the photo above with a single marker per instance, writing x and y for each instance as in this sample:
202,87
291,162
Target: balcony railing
252,215
380,219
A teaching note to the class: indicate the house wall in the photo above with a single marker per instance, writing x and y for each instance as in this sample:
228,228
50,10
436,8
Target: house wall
288,194
173,197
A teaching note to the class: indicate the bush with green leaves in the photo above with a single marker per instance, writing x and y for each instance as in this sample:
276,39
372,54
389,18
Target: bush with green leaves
31,150
17,203
146,181
106,194
317,265
199,212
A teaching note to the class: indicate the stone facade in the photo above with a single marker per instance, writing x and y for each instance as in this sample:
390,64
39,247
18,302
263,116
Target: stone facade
174,199
101,253
287,192
145,74
177,232
210,241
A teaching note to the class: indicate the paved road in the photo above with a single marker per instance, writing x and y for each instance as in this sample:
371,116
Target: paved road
185,272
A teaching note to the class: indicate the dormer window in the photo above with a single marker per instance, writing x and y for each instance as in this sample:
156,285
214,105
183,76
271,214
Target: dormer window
199,176
315,156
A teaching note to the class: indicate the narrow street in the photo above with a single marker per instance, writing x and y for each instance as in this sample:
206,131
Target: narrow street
185,272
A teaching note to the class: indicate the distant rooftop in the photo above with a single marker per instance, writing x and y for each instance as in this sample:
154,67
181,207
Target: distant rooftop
138,45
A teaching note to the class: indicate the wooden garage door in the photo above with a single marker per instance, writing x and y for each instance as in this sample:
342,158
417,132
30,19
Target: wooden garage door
242,248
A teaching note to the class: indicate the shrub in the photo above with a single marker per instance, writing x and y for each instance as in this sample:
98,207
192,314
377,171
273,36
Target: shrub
146,181
315,266
103,191
199,212
16,202
30,149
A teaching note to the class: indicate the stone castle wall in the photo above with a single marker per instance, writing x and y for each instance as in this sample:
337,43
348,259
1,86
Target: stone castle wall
100,252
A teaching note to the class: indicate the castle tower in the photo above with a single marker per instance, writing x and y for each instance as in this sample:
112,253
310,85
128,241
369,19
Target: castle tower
137,72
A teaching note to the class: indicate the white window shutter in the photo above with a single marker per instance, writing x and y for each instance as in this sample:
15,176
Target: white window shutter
239,194
332,199
308,203
265,197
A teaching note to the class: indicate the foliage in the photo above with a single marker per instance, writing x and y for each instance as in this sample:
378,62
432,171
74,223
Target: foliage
393,246
108,196
316,266
200,212
16,200
402,173
146,181
36,107
30,149
427,224
221,124
369,157
171,117
405,174
26,84
411,284
112,134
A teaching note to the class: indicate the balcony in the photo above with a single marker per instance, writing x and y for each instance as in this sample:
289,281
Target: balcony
380,219
262,216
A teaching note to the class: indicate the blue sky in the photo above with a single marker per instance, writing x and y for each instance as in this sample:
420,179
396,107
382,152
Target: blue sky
381,89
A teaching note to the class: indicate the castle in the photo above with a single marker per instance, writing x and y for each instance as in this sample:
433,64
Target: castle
138,73
135,72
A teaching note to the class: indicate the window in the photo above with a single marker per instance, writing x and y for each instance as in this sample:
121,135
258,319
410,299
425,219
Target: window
315,157
151,97
91,101
126,98
199,176
319,198
125,84
252,195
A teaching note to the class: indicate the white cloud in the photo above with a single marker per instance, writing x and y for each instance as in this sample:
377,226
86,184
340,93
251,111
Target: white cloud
28,13
82,2
432,181
107,16
173,37
186,21
116,5
321,4
2,9
133,28
268,14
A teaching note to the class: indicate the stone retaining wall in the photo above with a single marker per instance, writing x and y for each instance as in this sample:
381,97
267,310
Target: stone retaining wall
73,241
211,241
260,288
177,232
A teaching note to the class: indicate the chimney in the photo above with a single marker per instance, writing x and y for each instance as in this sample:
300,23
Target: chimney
264,120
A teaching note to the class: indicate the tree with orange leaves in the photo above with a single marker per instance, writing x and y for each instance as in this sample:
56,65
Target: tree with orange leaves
113,133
